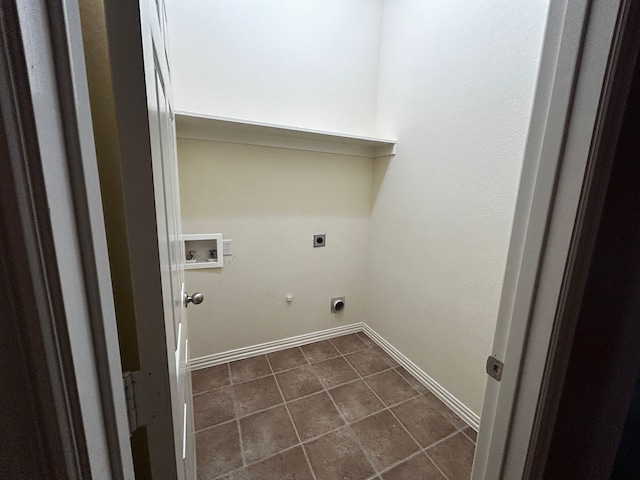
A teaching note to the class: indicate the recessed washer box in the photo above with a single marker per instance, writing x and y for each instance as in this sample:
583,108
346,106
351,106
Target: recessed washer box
203,246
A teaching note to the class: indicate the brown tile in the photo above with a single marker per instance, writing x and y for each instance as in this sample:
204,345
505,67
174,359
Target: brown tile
355,400
218,451
288,465
257,395
384,439
298,382
337,456
286,359
209,378
212,408
391,387
454,456
471,433
363,336
314,415
413,381
349,343
416,468
424,422
385,356
267,433
444,410
249,368
334,372
319,351
367,362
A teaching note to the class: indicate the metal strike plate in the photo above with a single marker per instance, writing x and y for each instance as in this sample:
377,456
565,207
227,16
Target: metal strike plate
494,368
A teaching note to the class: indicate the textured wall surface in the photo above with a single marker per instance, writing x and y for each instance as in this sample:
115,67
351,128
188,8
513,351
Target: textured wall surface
418,242
310,64
270,202
456,89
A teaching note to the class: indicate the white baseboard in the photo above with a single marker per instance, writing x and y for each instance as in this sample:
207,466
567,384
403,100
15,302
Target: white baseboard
438,390
269,347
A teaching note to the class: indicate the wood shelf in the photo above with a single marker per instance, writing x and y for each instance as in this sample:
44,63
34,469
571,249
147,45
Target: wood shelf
220,129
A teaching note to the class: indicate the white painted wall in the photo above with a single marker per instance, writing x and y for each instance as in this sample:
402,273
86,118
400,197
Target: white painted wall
456,89
305,63
452,81
270,202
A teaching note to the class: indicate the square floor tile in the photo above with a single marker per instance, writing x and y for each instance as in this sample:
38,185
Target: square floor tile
209,378
257,395
212,408
391,387
471,433
416,468
314,415
218,451
298,382
267,433
363,336
367,362
333,372
288,465
349,343
337,456
423,421
384,440
319,351
355,400
454,456
385,356
413,381
249,369
444,410
286,359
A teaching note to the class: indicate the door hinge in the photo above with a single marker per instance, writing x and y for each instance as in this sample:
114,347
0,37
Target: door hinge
145,395
494,367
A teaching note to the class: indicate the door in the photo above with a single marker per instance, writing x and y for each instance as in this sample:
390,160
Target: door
131,98
169,228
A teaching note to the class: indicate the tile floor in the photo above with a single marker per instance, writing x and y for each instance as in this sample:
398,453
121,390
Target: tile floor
336,409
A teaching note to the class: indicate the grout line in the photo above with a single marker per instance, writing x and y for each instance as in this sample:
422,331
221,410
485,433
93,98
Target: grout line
224,475
441,440
295,428
436,465
468,436
347,424
391,467
324,389
355,436
393,414
235,409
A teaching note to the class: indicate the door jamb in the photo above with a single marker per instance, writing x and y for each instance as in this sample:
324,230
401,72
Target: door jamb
579,55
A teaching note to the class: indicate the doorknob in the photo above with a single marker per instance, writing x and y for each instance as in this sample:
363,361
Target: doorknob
197,298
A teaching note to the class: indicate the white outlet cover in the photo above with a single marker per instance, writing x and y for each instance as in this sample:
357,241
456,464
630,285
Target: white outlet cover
226,248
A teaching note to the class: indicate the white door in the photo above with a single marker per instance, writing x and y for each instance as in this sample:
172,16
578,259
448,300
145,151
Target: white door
171,250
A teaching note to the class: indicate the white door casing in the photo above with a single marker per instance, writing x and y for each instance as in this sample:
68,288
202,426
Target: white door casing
572,80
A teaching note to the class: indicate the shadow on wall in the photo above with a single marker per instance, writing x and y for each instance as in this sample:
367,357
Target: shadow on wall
234,180
380,167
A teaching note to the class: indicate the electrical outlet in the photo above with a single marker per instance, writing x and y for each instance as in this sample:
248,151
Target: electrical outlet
226,248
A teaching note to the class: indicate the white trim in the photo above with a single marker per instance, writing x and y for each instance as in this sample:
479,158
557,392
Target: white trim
269,347
438,390
274,346
198,126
